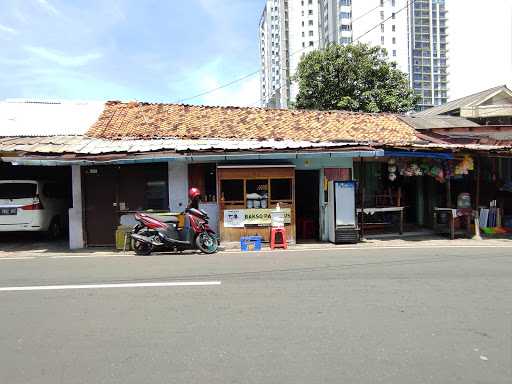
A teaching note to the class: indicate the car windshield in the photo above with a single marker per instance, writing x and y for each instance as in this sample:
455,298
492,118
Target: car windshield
17,190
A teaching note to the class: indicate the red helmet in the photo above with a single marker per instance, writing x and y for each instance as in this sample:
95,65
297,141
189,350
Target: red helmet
193,193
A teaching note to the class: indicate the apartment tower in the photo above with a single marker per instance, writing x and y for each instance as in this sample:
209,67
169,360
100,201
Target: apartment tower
412,31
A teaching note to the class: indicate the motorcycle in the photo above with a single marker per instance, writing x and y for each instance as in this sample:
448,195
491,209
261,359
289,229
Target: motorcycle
158,233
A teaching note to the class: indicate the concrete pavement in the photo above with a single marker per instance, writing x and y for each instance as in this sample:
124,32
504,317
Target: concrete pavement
362,315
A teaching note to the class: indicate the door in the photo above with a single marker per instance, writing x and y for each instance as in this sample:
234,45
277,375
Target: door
100,184
307,204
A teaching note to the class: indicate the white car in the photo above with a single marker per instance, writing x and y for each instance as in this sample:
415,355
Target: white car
30,205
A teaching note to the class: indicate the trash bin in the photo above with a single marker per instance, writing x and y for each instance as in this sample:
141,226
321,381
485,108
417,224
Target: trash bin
123,240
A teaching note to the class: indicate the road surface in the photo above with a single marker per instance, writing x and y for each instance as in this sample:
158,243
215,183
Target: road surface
428,315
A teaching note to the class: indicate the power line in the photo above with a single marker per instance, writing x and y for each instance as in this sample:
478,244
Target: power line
204,93
181,101
366,13
410,3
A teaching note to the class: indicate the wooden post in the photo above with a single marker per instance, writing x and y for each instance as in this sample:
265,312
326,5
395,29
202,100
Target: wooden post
362,186
477,181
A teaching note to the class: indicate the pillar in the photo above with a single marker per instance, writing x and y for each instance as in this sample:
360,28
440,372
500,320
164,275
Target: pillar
178,185
76,228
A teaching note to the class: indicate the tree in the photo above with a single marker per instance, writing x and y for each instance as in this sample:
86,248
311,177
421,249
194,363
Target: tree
353,77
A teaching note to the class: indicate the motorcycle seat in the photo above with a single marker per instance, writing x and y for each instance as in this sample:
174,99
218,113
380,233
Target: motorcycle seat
165,219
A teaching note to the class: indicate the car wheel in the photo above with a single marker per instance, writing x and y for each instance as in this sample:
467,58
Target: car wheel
55,230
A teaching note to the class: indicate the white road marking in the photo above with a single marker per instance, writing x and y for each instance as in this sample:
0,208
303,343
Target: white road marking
18,258
100,286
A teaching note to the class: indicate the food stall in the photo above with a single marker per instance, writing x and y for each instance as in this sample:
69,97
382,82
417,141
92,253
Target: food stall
249,194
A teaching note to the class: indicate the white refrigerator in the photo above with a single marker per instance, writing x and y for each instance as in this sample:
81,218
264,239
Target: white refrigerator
341,211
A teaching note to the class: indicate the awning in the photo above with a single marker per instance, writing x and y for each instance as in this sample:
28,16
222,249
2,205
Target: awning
429,155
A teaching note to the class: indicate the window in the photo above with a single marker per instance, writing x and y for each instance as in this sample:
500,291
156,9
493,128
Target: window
303,34
346,27
311,43
346,40
393,3
345,2
310,22
381,3
17,191
310,33
345,15
303,44
393,40
394,52
382,27
232,191
310,2
382,40
382,15
393,28
310,12
393,15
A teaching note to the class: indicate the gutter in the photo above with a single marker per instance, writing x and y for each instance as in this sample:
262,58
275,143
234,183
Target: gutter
195,158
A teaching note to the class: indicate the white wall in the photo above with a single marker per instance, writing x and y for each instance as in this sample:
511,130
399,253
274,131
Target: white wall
178,185
76,230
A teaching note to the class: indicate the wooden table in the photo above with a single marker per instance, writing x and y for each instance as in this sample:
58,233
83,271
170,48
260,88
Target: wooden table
450,226
372,211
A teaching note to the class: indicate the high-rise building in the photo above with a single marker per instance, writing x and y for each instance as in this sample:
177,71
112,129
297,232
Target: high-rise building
288,29
412,31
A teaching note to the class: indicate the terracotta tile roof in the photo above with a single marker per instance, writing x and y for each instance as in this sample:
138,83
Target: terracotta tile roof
151,121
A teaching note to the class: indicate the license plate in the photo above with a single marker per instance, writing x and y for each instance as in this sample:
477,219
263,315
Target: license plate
8,211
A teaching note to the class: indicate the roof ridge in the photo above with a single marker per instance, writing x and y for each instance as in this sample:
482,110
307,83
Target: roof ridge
239,107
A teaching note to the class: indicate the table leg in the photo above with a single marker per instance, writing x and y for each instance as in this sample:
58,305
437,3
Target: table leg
401,221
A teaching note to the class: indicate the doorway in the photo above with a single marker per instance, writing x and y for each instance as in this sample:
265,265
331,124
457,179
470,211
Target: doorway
100,184
307,205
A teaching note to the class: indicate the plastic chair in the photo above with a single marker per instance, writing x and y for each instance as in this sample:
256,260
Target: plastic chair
283,243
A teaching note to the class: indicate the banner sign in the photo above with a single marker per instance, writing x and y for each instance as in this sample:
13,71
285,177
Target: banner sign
234,218
238,218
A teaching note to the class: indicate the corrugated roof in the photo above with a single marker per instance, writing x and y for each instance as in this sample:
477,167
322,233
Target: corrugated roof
427,122
49,118
466,101
151,121
93,146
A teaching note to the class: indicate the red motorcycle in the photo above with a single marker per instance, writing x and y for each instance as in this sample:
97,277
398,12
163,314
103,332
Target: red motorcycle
160,233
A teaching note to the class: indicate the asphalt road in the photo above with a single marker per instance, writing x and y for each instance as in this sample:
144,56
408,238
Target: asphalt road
336,316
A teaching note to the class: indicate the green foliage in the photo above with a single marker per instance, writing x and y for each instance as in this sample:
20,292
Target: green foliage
354,78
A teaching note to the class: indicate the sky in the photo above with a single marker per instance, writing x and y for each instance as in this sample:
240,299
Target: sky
171,50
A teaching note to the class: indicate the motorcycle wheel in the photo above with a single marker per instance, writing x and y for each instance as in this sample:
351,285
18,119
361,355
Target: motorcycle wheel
207,243
141,249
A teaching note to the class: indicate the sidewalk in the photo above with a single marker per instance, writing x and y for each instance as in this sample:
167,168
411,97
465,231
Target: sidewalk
434,242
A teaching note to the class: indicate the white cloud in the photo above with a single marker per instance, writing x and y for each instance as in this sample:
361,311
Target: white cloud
48,7
6,29
61,58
